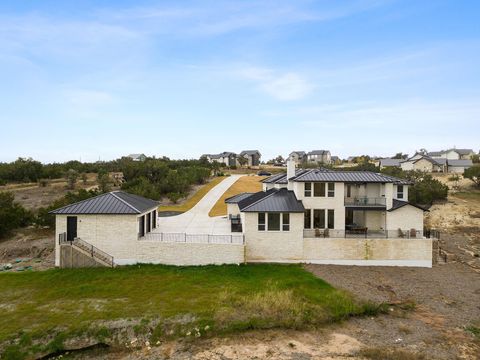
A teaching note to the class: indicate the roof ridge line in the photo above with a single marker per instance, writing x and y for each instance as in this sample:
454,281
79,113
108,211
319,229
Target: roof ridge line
263,198
126,203
79,202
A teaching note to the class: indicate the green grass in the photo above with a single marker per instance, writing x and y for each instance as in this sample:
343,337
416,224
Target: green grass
222,298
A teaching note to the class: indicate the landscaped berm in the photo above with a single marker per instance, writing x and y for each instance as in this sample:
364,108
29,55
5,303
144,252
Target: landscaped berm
50,311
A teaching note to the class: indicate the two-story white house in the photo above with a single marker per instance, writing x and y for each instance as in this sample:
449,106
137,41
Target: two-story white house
339,217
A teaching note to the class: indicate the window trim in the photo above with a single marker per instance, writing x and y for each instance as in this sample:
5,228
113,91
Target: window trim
285,224
309,191
400,194
330,193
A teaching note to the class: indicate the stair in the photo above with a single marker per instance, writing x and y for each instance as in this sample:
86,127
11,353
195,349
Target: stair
79,253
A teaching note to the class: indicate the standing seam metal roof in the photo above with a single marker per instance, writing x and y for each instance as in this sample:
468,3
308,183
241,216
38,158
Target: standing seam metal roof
115,202
274,200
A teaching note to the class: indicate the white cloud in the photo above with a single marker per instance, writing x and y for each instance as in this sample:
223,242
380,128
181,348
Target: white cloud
281,86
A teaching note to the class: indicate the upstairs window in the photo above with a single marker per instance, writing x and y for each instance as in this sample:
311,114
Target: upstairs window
273,222
319,189
399,191
349,190
308,189
331,189
261,221
286,222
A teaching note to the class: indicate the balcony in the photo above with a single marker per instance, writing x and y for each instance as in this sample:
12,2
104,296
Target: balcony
365,202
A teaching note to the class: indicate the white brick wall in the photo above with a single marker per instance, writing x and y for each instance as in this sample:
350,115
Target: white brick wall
406,218
157,252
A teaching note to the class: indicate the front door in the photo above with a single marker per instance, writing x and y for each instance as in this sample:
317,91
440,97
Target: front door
71,228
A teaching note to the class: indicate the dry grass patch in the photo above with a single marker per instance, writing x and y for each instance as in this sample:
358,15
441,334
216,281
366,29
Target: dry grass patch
192,201
243,184
389,354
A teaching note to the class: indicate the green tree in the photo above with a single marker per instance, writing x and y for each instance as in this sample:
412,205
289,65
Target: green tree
242,161
72,176
426,189
12,214
84,178
103,180
473,173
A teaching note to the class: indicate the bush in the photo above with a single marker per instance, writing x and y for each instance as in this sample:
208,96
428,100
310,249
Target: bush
426,189
12,214
43,182
473,174
174,197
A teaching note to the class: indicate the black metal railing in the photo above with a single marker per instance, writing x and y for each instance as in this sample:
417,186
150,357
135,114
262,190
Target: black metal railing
87,247
194,238
372,234
365,201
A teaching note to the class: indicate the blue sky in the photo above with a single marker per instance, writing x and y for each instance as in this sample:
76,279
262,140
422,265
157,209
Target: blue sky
96,80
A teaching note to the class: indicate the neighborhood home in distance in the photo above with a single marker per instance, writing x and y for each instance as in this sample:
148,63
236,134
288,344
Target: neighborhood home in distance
137,157
252,158
315,156
427,163
452,154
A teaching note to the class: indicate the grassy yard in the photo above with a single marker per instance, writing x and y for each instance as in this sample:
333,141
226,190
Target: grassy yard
244,184
165,301
192,201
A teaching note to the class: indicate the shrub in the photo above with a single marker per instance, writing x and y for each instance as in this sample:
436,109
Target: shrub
473,174
43,182
12,214
426,189
174,197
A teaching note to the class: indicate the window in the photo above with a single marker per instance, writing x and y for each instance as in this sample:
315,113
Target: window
286,222
331,189
149,222
319,219
261,221
308,189
154,219
319,189
399,191
349,190
273,222
330,220
307,219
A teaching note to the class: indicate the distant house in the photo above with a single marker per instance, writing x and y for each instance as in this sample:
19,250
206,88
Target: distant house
299,157
252,156
335,160
137,157
453,154
227,157
388,162
425,163
319,157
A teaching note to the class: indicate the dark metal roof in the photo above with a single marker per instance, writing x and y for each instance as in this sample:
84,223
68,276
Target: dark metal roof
319,152
115,202
461,163
390,162
250,152
397,204
237,198
274,200
282,177
323,175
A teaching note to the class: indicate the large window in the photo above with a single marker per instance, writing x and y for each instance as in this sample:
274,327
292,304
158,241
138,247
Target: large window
318,189
399,191
308,189
261,221
307,219
331,189
319,219
349,190
286,222
331,219
273,222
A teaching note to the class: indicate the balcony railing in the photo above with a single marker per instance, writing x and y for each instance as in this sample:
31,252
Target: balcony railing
194,238
371,234
365,201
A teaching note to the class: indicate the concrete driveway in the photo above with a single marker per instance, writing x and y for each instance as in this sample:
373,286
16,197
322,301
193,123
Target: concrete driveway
196,220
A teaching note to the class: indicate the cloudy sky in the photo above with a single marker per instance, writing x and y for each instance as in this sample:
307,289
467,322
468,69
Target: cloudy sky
97,79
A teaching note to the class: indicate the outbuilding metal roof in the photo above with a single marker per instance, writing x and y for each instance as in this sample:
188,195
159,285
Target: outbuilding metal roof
274,200
115,202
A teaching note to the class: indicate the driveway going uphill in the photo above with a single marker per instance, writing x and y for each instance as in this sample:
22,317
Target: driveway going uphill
196,220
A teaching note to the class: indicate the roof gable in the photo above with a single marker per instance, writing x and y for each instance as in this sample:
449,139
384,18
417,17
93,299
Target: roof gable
274,200
115,202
